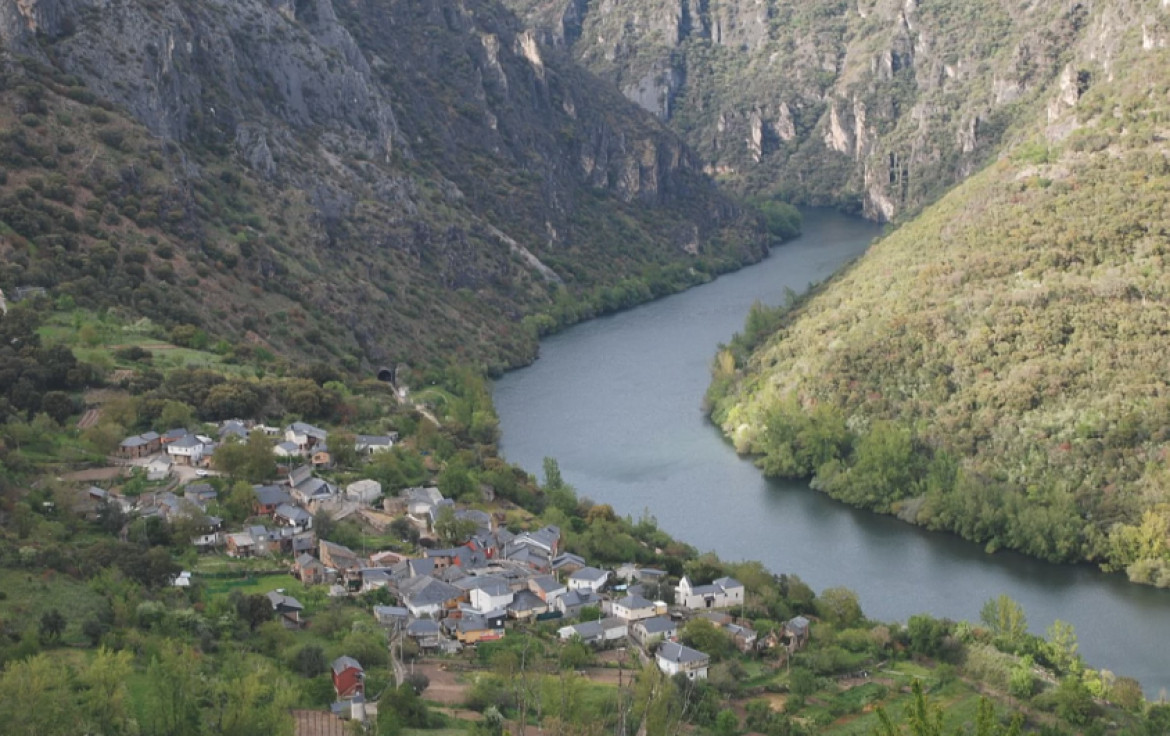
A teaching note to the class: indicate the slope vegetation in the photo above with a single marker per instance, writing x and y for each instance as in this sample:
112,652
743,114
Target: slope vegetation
997,367
351,181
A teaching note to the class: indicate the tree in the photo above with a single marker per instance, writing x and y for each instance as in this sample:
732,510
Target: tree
705,636
253,610
35,699
174,689
175,414
252,461
343,448
310,660
840,607
451,529
106,700
254,699
52,626
1006,620
926,634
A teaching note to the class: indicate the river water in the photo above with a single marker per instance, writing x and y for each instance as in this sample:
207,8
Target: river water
617,402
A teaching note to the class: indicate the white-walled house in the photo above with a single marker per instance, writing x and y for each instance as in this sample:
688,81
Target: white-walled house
673,658
364,491
588,578
721,593
634,608
187,450
492,594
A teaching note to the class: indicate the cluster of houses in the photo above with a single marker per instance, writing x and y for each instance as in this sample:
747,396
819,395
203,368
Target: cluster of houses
298,441
447,598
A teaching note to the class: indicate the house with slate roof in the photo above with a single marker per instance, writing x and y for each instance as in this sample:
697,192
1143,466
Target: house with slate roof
634,608
269,499
721,593
292,516
489,593
674,658
285,606
305,436
588,578
140,445
571,603
187,450
649,630
427,596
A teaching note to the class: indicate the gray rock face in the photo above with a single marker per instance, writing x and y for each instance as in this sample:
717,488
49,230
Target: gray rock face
816,99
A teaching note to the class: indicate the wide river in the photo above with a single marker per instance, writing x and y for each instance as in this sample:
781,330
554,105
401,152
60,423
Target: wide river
617,402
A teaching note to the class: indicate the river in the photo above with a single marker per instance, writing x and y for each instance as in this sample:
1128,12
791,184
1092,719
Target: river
617,402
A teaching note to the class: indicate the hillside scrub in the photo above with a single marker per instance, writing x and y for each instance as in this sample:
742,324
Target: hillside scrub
995,367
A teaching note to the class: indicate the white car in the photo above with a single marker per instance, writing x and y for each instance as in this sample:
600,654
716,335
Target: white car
201,473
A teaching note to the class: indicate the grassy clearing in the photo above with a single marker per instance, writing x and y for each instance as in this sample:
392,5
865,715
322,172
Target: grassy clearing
27,597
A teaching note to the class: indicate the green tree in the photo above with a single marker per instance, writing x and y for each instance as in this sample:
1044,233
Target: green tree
451,529
52,625
175,414
174,690
1005,618
252,461
35,699
708,638
105,702
253,699
840,607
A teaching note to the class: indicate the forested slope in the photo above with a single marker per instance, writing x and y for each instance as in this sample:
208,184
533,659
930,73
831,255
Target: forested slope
350,181
998,366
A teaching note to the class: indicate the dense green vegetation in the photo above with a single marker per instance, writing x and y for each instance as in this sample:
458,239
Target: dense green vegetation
92,623
994,368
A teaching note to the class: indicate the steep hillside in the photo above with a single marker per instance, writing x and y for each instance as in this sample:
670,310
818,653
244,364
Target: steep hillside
998,366
876,104
359,181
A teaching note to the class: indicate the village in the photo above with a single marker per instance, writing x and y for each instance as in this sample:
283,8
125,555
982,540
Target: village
468,580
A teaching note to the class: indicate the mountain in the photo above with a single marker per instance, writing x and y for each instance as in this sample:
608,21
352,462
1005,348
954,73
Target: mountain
878,105
354,181
997,366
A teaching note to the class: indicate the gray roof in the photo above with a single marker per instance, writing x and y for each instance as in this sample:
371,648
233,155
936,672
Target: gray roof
526,600
798,625
728,583
289,447
588,629
635,601
547,583
341,664
422,627
591,574
374,440
429,591
382,612
658,625
673,652
271,495
307,559
149,436
135,441
187,440
567,558
308,430
293,513
575,598
280,600
176,433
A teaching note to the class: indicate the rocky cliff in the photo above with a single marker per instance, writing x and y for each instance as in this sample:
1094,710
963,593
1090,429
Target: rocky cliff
422,173
876,104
